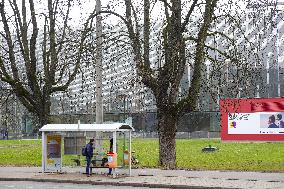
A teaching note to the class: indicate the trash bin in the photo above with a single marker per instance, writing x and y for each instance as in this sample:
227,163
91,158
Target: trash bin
112,159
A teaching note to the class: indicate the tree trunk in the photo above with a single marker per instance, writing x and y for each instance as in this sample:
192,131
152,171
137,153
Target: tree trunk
43,118
167,125
43,113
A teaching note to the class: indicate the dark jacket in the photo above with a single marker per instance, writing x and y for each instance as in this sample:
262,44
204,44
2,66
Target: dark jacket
90,151
111,145
273,125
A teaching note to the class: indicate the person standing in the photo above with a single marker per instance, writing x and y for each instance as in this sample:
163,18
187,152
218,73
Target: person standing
110,150
89,155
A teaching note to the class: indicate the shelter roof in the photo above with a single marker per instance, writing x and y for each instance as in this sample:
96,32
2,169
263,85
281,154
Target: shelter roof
107,127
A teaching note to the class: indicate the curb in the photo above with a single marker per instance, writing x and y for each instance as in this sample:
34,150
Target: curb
112,183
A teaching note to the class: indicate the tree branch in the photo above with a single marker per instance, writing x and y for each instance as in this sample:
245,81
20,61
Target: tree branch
146,31
184,24
9,42
189,103
64,27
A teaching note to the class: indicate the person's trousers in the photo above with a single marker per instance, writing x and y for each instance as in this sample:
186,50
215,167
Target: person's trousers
88,164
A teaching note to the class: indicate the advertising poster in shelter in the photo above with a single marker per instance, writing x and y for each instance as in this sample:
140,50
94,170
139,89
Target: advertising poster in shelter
53,159
252,119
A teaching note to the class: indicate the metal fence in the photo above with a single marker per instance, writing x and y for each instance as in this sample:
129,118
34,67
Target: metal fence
179,135
190,125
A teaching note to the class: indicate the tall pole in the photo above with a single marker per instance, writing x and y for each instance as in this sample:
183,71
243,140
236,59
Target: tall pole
98,69
98,66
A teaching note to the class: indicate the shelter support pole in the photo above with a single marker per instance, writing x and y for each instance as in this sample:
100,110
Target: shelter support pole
114,151
62,138
43,143
130,154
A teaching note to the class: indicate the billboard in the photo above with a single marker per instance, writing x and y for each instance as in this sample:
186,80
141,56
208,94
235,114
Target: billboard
252,119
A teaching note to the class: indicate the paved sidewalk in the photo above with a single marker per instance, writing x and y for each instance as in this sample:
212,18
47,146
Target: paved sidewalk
151,178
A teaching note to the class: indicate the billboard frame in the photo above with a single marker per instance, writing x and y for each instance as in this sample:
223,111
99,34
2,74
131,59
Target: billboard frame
248,106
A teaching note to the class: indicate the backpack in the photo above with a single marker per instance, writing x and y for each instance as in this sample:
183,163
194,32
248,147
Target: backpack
84,151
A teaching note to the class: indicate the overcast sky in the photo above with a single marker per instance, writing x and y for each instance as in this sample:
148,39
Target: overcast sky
87,7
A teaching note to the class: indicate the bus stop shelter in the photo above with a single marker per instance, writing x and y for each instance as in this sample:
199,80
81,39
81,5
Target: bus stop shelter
53,134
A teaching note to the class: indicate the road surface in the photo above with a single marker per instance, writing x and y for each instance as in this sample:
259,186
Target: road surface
50,185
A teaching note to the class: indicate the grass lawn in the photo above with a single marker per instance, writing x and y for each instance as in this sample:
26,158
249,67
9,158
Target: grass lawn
267,156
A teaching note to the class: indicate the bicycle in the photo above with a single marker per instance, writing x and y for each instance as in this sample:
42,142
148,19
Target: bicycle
134,160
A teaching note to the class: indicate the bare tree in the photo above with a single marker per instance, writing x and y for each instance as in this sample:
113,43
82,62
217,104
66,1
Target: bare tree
164,81
41,53
185,29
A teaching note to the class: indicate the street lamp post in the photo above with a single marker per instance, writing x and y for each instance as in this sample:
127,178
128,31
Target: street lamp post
227,64
124,116
123,96
239,92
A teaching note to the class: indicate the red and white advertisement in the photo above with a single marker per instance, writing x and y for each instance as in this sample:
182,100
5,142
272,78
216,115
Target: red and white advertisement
252,119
